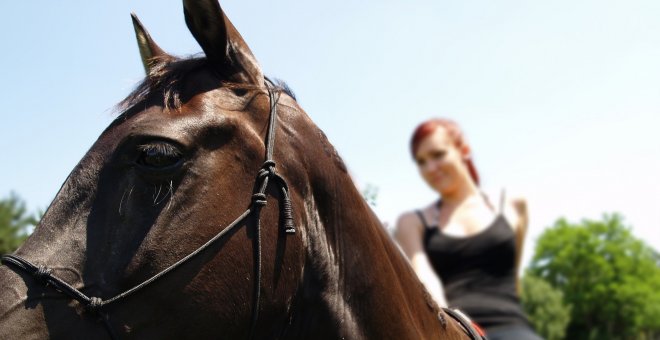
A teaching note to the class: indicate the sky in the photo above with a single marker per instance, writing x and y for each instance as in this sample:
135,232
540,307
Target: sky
560,100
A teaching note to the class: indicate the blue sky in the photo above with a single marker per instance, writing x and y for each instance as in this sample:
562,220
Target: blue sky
560,99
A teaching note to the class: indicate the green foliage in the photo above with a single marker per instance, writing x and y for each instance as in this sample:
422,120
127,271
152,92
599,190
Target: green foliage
15,223
610,278
545,307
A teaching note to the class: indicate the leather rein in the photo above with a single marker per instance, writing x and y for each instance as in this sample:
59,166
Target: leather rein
266,173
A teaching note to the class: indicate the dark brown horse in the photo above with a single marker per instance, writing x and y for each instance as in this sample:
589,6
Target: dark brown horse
161,230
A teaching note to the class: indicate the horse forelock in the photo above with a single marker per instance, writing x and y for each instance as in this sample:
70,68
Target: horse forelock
167,78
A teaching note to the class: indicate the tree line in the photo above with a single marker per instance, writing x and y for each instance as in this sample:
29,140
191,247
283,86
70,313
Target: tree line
593,280
588,280
15,222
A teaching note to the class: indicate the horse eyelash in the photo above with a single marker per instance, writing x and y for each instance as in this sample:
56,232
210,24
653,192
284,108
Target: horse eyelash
165,149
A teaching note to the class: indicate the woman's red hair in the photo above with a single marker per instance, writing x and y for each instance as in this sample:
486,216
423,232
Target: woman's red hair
426,128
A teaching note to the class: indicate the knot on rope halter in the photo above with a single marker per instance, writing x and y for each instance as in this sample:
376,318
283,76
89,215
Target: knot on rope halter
267,169
94,304
259,199
42,273
287,211
266,172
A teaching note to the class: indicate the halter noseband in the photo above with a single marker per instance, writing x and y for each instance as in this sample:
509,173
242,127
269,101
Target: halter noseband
259,198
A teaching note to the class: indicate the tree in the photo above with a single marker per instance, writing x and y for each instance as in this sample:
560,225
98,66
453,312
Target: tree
370,194
545,307
610,278
15,223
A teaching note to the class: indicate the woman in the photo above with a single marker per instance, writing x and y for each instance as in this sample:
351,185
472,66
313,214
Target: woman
464,248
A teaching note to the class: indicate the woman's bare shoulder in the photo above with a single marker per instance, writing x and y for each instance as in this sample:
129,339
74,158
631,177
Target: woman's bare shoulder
409,234
412,219
409,221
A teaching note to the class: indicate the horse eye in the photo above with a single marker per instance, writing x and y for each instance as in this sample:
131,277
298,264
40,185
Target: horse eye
239,92
159,155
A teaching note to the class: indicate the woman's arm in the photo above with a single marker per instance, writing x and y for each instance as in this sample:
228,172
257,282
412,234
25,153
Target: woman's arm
409,234
520,207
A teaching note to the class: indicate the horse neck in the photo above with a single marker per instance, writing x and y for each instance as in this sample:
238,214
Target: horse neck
357,266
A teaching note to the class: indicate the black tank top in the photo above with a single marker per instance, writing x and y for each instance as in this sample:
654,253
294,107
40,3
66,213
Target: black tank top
478,272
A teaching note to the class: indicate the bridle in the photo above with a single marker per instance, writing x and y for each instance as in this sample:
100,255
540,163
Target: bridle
266,173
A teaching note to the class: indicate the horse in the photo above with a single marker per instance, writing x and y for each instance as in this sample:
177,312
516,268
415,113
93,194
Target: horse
213,207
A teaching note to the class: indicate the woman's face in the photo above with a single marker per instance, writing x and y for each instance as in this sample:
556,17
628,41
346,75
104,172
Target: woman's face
441,163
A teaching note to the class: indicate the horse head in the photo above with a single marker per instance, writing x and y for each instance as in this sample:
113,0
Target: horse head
161,230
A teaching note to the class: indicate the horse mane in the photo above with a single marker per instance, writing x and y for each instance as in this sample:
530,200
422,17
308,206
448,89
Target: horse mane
167,77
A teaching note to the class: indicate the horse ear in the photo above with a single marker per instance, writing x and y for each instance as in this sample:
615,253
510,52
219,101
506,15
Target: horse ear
148,48
220,40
